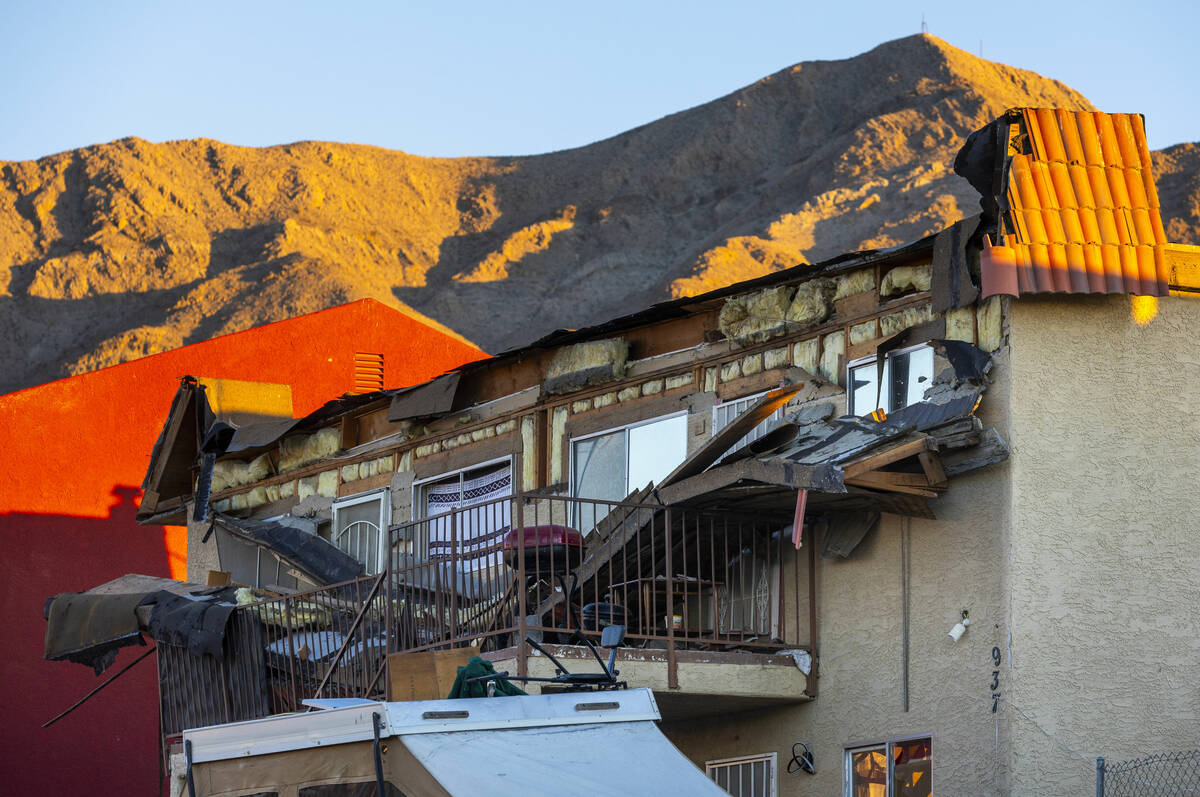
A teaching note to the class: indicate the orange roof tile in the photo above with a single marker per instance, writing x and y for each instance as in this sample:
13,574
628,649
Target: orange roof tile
1082,208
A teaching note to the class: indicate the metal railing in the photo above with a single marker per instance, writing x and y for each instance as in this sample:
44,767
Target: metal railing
277,653
678,579
1160,774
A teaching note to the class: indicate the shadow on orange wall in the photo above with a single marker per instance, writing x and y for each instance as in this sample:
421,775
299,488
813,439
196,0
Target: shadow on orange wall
108,743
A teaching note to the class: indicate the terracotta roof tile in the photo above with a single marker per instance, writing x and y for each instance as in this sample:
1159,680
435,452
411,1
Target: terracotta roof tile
1082,203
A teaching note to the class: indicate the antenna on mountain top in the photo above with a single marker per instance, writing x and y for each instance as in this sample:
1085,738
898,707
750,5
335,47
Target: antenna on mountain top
924,27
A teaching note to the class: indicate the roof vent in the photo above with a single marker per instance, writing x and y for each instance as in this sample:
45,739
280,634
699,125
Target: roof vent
368,372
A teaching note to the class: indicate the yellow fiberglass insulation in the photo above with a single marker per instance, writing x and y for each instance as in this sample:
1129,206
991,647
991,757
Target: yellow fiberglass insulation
235,472
755,317
813,302
903,278
300,450
583,364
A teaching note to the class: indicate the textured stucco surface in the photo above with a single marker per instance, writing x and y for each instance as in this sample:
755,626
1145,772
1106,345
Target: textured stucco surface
1105,575
956,563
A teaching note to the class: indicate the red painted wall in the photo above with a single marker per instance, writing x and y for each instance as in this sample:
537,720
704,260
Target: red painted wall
73,456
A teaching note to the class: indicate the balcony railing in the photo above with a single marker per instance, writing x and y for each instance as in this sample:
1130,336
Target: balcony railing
679,580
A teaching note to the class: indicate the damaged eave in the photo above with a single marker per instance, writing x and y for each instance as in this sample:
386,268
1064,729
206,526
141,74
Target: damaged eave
893,464
774,473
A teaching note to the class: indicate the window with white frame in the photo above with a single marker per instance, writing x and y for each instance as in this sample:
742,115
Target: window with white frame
907,374
899,768
360,524
747,776
466,512
725,413
610,465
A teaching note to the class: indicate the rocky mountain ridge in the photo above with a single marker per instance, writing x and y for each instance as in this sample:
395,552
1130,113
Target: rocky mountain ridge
120,250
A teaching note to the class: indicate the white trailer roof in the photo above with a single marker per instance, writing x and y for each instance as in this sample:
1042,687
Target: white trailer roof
619,759
574,743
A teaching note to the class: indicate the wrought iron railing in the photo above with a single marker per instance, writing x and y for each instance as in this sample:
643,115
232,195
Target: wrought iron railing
678,579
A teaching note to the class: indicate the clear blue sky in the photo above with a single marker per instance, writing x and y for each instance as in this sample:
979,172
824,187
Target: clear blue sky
507,78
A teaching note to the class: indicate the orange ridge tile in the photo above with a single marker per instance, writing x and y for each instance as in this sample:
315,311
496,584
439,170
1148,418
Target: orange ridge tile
1060,180
1081,185
1070,134
1126,140
1109,149
1135,186
1091,226
1116,185
1098,180
1089,137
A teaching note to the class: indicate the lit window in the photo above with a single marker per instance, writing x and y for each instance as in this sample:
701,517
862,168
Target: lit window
725,413
907,374
610,465
890,769
481,517
360,525
748,776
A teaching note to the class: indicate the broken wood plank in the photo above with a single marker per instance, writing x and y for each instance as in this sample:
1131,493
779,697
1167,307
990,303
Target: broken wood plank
877,461
825,478
933,469
907,483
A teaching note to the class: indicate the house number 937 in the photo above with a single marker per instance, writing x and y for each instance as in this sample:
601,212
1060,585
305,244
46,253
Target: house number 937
995,679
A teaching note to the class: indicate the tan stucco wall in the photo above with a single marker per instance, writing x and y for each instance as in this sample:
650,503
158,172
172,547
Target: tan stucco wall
956,563
1105,574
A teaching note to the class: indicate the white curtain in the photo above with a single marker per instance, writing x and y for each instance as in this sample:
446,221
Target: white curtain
474,527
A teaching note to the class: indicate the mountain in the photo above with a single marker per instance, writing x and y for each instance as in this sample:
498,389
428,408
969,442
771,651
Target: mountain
119,250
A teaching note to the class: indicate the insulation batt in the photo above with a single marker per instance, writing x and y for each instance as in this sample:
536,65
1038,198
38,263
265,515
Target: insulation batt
590,363
854,283
903,278
235,472
813,301
295,452
755,317
909,317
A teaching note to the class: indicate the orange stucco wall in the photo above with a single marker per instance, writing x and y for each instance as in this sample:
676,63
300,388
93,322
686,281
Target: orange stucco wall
73,454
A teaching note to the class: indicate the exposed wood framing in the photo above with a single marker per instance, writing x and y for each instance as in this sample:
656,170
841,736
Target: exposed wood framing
876,461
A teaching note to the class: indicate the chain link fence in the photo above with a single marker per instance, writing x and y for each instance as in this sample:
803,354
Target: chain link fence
1160,774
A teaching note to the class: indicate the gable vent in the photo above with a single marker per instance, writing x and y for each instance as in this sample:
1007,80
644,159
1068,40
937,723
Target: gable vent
368,372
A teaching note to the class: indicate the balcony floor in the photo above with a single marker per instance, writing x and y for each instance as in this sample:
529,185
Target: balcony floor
710,682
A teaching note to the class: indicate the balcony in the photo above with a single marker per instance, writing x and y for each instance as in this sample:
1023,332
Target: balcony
718,609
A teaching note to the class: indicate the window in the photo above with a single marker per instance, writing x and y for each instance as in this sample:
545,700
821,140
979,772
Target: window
360,525
899,768
748,776
610,465
480,526
907,374
725,412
